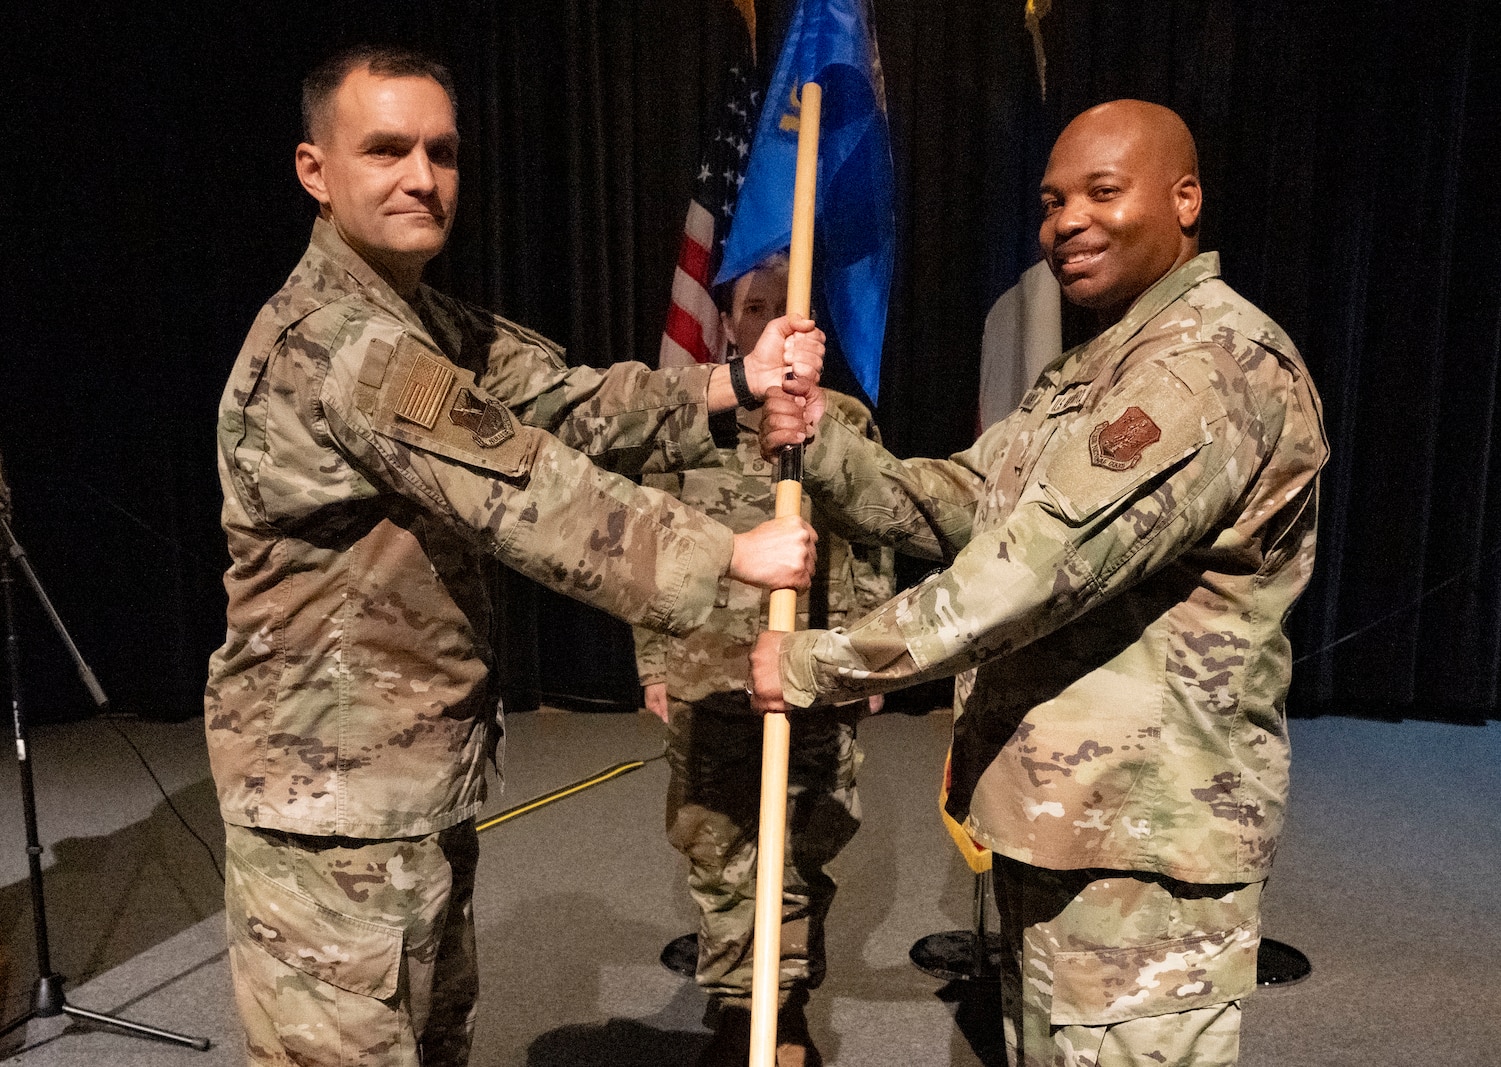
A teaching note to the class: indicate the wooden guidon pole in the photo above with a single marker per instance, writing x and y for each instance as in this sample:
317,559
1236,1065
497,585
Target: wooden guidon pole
767,953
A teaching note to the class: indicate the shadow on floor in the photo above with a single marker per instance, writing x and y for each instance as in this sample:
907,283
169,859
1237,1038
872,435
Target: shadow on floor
110,898
977,1016
617,1043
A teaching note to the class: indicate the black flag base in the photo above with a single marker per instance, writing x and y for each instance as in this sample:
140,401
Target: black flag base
1280,964
963,955
959,956
681,955
975,955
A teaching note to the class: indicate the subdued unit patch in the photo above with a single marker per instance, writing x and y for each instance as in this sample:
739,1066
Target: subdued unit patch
1118,445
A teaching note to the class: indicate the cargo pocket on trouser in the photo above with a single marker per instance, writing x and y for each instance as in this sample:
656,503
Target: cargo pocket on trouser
1169,1003
314,986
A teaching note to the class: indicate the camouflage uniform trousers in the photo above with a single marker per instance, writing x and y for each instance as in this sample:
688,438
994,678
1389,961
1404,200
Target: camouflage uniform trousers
1117,968
350,952
713,818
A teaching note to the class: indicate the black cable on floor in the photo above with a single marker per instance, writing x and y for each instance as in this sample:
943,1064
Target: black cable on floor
162,790
1424,595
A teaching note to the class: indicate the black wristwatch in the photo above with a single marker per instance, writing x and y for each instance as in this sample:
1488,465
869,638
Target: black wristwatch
743,395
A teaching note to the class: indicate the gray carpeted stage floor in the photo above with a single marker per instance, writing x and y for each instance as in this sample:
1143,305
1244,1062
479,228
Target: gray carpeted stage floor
1385,881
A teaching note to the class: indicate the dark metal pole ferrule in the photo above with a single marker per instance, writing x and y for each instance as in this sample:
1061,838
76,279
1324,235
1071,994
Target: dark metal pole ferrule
790,464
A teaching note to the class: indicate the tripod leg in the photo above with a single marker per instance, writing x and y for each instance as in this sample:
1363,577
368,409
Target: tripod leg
200,1043
48,998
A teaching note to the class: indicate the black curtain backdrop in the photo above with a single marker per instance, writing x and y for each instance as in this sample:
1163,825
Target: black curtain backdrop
152,207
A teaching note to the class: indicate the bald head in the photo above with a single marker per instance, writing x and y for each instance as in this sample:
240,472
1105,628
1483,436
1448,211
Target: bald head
1121,204
1157,131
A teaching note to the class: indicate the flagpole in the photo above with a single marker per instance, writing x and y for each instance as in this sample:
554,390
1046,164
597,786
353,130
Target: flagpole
776,735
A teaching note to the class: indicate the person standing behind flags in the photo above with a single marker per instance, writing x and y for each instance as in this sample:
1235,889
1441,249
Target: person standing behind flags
1124,550
697,685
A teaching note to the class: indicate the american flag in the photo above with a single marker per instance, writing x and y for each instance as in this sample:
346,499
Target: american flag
693,333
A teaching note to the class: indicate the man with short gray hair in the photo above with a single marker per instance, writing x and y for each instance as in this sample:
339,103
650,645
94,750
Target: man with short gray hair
382,448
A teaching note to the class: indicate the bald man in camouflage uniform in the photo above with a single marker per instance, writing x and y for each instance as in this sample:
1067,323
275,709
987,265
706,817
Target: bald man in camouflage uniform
383,448
714,751
1122,554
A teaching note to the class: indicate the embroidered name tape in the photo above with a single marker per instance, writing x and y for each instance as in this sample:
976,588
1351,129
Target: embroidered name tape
1070,399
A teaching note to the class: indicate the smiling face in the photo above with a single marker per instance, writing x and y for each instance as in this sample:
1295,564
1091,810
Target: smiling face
384,170
1120,204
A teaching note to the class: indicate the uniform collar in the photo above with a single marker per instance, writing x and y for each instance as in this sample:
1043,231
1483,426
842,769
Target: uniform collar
328,244
1148,306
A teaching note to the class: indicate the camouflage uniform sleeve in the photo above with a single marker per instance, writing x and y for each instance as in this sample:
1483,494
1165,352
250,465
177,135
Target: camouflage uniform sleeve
873,574
651,655
419,426
872,570
921,507
1079,533
626,417
652,646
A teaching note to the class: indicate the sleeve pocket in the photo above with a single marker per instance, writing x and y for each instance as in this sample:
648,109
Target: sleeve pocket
1080,488
353,954
1107,986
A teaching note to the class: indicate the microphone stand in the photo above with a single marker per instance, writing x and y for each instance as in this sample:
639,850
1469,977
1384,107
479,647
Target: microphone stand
48,998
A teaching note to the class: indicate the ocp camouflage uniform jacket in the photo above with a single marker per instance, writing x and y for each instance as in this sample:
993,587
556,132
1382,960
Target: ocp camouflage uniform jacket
848,580
374,457
1122,553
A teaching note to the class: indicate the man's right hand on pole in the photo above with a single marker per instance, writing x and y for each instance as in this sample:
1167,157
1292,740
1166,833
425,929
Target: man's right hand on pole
789,420
778,554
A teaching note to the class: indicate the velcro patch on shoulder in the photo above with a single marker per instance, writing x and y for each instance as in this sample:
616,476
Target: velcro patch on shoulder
377,358
1100,466
1195,374
373,368
434,405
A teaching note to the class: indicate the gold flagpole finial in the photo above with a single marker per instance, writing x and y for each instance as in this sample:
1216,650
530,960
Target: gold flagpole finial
1036,11
747,10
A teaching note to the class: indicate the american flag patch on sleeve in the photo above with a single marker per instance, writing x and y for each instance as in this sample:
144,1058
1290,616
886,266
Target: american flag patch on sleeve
421,396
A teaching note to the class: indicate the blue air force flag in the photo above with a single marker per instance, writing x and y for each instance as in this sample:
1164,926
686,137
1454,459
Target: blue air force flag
829,42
